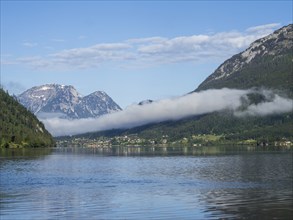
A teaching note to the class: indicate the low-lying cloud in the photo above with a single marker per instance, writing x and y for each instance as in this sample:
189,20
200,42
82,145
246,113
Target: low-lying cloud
172,109
277,105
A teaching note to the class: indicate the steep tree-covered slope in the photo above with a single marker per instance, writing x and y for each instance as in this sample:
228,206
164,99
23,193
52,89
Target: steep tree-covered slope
19,127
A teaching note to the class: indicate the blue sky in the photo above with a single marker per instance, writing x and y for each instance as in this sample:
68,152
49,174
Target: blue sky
131,50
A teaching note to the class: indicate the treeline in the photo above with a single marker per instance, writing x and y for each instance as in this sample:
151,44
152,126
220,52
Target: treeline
19,127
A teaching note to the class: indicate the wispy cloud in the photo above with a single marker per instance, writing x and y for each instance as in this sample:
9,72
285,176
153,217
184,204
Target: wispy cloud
29,44
263,29
34,61
171,109
88,57
155,50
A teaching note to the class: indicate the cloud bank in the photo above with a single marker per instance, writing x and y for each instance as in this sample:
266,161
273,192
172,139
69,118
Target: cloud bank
150,51
171,109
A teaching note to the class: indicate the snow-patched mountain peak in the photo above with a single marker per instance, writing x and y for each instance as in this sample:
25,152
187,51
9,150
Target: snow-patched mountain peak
273,45
49,97
52,100
98,93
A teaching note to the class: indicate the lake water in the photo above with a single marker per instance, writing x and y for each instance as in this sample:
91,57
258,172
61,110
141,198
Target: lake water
146,183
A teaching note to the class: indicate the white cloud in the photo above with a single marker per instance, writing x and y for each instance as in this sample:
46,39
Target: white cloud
88,57
146,40
106,50
34,61
154,50
264,29
29,44
277,105
169,109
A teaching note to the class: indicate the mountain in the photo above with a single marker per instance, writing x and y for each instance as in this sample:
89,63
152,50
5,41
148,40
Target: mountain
145,102
19,127
266,63
97,103
53,100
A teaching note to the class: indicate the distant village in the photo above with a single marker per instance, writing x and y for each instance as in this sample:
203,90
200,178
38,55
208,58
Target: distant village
127,140
135,140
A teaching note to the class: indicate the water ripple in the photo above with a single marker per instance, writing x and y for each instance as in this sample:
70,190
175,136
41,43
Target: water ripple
87,186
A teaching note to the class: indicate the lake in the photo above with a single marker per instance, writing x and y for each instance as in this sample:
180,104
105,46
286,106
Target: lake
146,183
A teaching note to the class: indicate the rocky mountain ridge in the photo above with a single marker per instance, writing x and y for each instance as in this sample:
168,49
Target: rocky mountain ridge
266,60
54,100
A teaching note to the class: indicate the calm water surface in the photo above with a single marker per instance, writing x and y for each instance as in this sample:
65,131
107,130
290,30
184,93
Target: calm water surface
146,183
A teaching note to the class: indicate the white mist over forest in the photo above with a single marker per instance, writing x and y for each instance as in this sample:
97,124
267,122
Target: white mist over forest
174,109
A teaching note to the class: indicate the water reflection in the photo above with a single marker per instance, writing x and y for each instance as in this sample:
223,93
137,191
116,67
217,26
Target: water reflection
25,153
148,183
256,187
248,204
171,150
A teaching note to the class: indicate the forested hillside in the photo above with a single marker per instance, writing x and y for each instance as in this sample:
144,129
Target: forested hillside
215,128
227,127
19,127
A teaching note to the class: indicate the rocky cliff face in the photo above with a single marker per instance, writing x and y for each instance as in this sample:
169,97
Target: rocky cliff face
267,62
53,100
